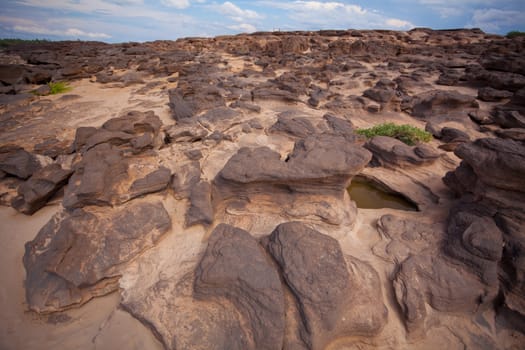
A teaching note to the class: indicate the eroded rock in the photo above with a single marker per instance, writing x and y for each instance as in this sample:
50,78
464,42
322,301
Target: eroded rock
78,256
236,268
335,299
39,188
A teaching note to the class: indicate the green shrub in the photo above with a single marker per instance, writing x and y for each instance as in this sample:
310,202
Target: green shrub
58,87
406,133
514,34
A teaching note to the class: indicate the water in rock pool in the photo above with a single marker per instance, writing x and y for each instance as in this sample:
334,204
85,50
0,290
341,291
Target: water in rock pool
367,196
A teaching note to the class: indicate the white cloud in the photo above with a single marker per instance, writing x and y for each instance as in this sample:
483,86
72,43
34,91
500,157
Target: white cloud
179,4
236,13
104,8
243,27
315,15
398,23
69,32
493,20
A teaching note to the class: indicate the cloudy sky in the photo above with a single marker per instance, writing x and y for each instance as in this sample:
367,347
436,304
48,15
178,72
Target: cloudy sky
145,20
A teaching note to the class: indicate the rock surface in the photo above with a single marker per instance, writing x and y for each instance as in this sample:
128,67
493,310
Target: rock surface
205,202
78,256
335,300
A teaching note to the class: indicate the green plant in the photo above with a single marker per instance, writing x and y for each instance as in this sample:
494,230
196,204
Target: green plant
514,34
6,42
58,87
406,133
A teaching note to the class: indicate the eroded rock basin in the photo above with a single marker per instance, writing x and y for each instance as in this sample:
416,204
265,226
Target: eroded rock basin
193,194
367,195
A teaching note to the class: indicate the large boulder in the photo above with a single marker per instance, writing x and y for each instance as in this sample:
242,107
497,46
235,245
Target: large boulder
324,160
79,255
429,279
337,297
235,268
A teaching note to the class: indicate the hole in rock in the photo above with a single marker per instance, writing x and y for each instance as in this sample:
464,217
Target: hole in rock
368,195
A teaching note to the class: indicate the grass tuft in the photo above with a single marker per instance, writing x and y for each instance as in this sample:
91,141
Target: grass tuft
58,87
406,133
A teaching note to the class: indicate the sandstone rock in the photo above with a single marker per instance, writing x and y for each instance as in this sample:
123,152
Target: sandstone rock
327,161
496,162
516,134
188,102
437,102
78,256
136,130
201,210
105,176
219,118
18,162
185,178
186,132
496,79
489,94
508,118
334,300
53,148
490,221
391,152
382,92
236,268
271,92
11,74
402,237
155,181
448,134
340,127
476,242
39,188
292,124
427,279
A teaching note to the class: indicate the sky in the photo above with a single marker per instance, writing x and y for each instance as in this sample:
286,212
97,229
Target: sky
148,20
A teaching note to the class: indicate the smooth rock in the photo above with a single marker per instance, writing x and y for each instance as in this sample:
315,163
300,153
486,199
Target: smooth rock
335,300
76,257
236,268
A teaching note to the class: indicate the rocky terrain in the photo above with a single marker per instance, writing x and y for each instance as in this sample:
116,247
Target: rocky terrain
192,194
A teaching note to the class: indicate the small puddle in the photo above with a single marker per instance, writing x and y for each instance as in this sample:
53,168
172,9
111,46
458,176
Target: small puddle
368,196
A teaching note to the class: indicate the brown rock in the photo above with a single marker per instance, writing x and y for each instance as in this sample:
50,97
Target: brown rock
78,256
390,152
105,176
236,268
200,210
39,188
334,301
18,162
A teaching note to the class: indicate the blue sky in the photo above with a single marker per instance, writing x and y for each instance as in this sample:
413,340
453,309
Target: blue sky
145,20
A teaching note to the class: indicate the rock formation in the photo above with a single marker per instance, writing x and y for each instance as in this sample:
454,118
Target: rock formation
205,180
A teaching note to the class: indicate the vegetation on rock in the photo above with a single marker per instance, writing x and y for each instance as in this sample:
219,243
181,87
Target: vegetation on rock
58,87
406,133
